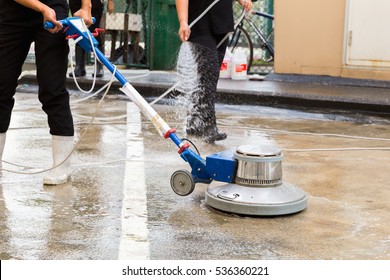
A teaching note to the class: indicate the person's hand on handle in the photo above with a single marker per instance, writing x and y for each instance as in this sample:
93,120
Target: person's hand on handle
85,12
49,15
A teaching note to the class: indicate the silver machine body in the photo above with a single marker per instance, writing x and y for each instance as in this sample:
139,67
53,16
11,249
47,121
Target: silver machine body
258,188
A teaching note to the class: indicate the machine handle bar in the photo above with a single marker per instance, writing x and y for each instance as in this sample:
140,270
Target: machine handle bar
50,25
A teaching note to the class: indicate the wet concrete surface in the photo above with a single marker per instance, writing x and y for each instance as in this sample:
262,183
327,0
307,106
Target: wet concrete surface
119,203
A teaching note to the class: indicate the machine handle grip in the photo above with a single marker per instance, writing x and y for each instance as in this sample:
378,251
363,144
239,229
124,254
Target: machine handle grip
50,25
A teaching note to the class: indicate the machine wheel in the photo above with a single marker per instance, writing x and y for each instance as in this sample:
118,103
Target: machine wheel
182,182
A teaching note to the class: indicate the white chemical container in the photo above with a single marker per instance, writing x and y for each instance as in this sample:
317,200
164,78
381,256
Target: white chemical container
226,68
239,65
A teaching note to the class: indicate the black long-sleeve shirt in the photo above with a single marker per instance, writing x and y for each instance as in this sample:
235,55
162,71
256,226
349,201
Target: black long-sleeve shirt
218,20
11,11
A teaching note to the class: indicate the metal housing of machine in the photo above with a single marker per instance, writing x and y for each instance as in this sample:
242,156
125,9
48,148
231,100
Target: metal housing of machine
258,188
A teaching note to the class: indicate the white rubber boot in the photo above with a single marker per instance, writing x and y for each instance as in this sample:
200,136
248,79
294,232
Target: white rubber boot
2,143
62,146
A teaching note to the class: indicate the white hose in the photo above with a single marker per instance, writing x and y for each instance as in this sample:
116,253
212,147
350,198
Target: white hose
235,26
76,144
203,13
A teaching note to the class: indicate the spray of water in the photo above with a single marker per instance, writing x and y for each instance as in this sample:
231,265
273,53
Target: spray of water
187,75
187,69
196,83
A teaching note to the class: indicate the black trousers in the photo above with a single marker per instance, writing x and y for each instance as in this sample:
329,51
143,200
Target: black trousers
202,117
51,52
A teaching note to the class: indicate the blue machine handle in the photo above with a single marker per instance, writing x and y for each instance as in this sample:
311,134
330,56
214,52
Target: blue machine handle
198,164
76,29
50,25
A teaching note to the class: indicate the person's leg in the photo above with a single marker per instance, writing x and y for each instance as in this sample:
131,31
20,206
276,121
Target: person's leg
2,144
79,70
55,101
97,13
202,120
51,52
15,43
222,48
62,148
14,40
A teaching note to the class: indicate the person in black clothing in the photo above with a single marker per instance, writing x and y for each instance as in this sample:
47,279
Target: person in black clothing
205,35
97,13
21,23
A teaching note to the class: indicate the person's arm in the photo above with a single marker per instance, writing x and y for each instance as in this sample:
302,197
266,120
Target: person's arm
182,14
48,13
110,6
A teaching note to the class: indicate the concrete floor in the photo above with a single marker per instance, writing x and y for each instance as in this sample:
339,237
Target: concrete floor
119,203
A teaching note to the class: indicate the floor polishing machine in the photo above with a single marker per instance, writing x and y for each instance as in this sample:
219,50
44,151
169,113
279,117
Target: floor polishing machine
246,181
